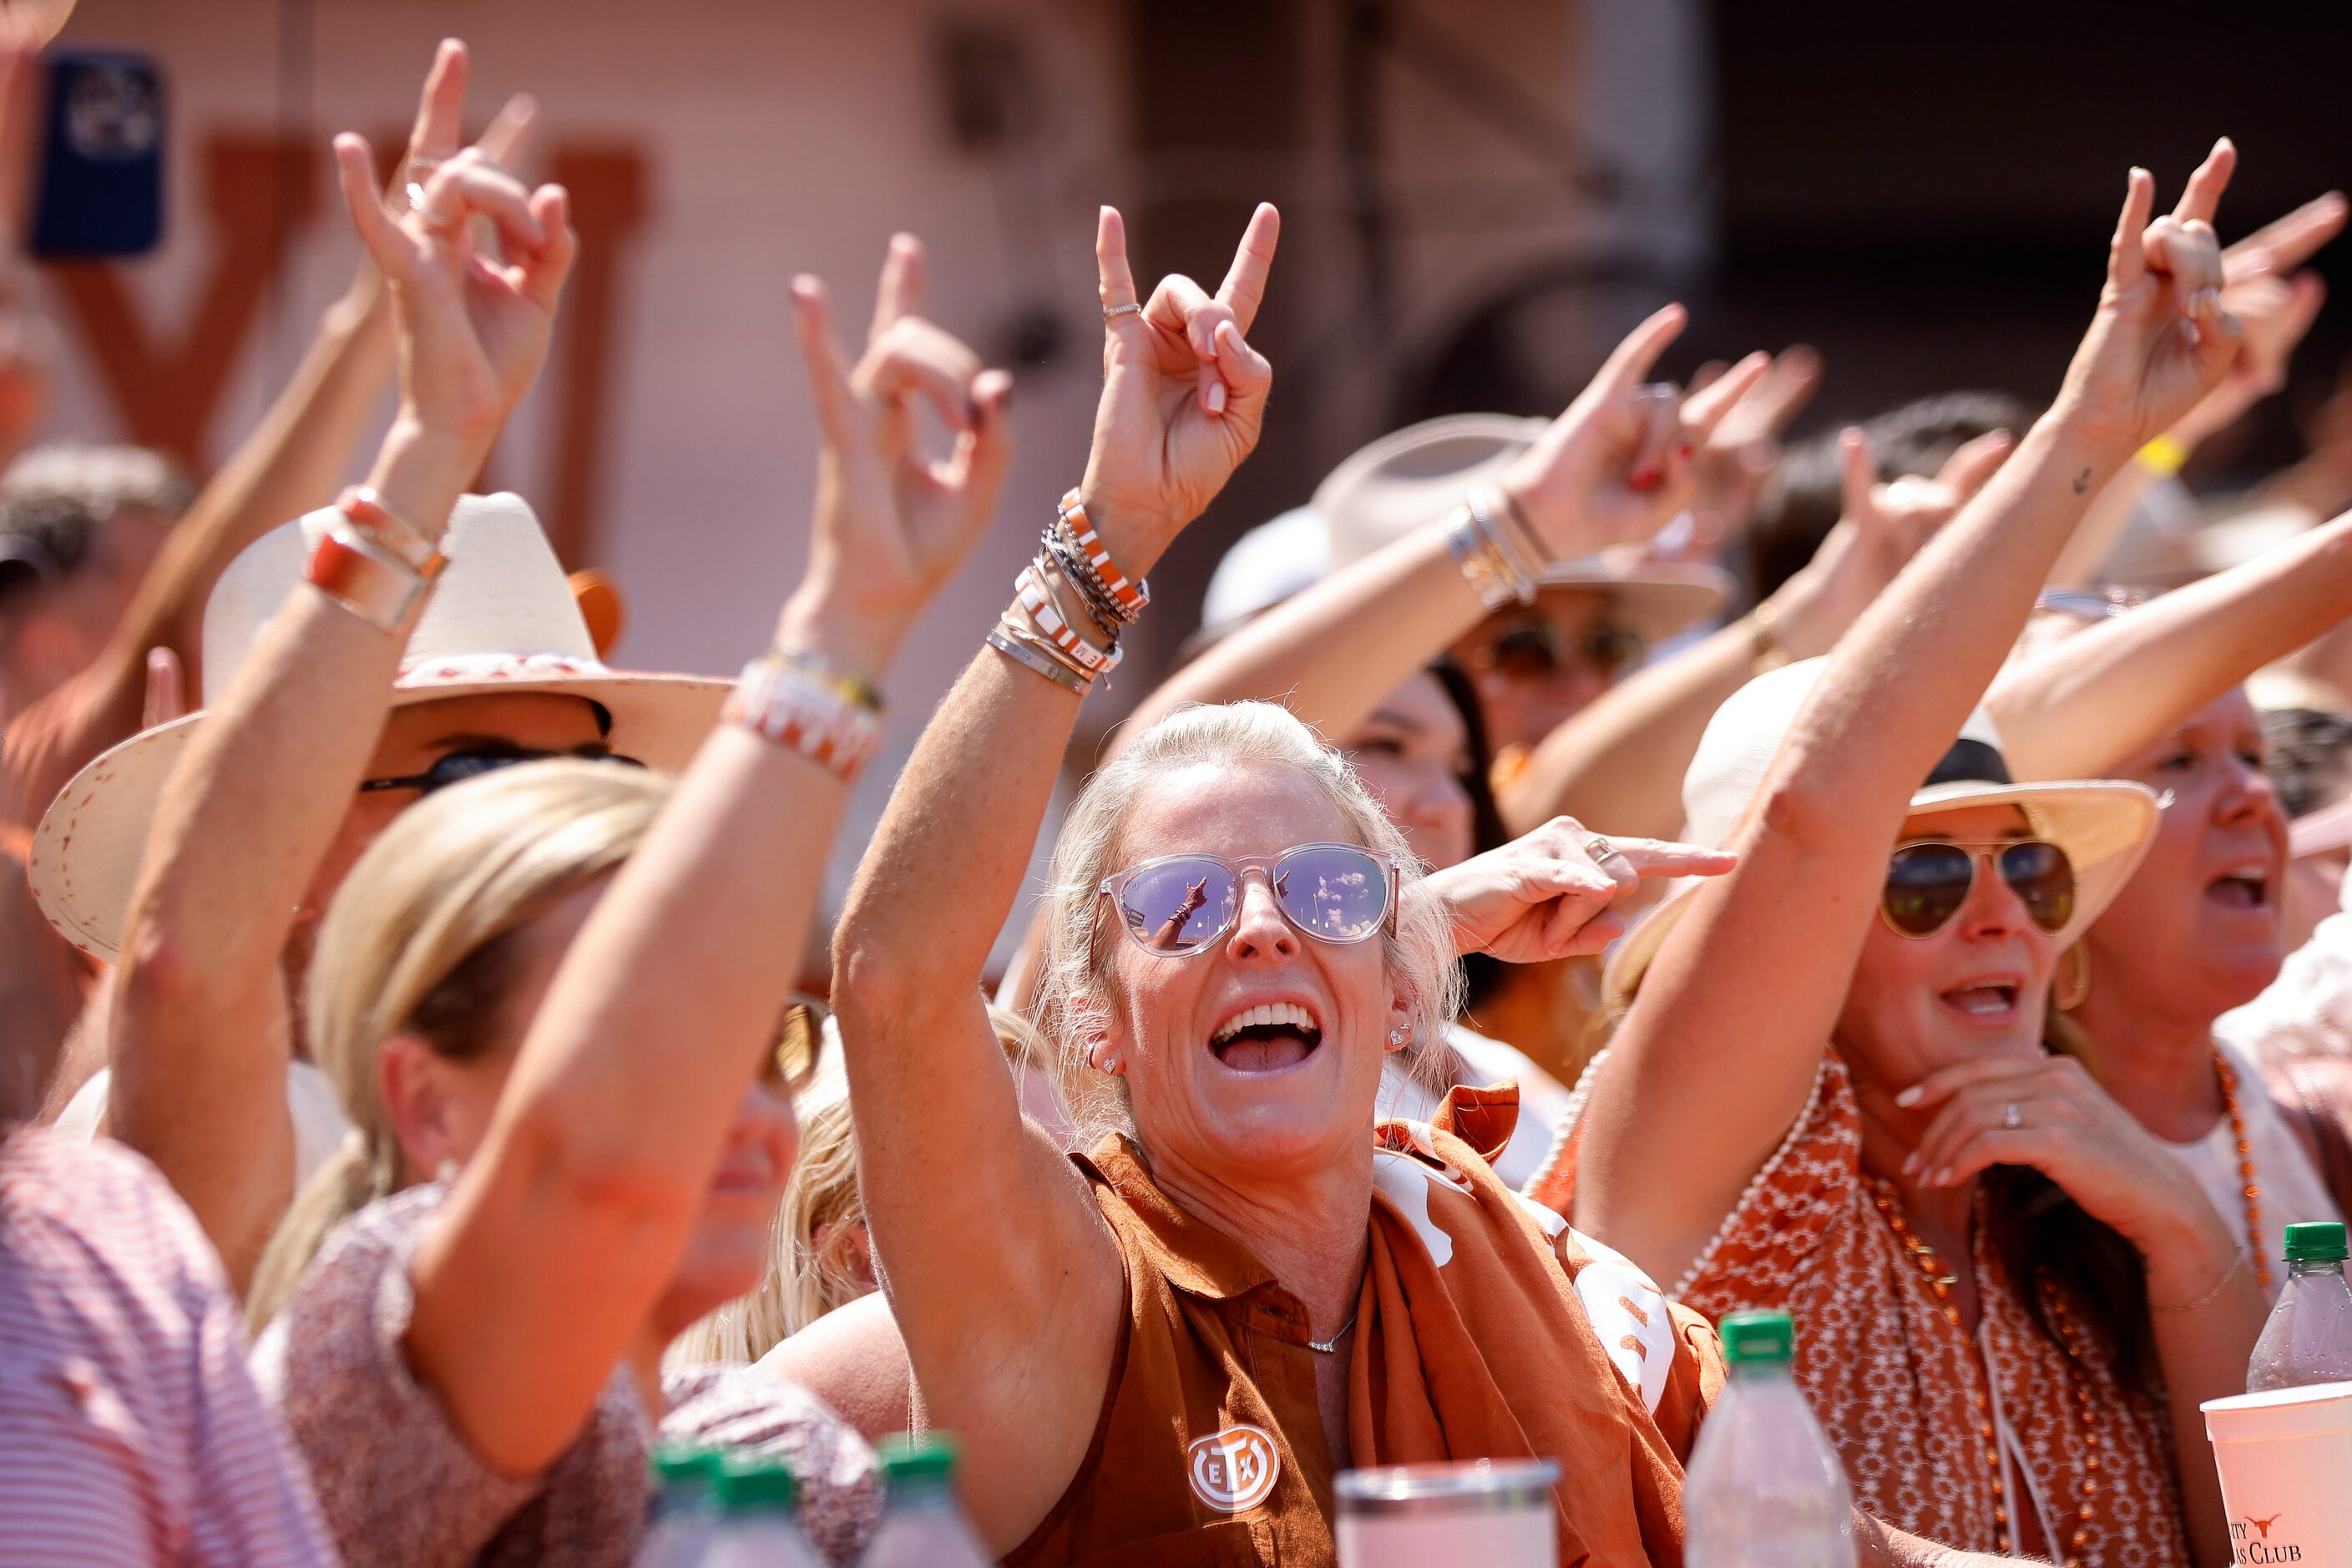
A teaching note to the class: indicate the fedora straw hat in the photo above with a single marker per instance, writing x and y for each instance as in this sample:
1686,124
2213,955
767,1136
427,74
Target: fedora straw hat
1414,476
2103,824
502,618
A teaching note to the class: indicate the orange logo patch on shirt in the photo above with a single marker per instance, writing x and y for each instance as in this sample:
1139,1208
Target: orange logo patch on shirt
1234,1470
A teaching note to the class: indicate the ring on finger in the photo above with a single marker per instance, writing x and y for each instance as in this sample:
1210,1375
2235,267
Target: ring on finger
1111,312
1602,851
2012,1119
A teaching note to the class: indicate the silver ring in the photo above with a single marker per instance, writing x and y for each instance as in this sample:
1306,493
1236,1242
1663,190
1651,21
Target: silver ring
1130,309
2011,1118
1602,851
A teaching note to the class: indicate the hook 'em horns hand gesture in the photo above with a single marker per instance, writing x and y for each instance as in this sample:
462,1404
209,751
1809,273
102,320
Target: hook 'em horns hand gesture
2161,339
1183,393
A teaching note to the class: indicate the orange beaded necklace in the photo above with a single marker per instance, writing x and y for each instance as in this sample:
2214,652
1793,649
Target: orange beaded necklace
1940,1281
2251,1188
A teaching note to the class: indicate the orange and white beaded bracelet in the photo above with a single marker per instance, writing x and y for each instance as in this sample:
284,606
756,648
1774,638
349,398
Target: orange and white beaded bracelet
1129,597
784,704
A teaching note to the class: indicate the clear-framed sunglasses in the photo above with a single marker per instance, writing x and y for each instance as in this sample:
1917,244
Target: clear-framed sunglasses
1176,906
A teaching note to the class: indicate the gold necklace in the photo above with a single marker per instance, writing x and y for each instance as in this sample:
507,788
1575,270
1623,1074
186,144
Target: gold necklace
2247,1184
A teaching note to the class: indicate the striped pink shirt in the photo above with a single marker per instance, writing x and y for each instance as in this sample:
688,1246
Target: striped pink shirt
130,1431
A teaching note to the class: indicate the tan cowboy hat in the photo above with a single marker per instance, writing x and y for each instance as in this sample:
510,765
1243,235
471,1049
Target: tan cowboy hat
1411,476
2103,824
502,618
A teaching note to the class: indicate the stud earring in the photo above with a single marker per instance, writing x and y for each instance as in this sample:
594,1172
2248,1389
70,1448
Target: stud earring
447,1171
1396,1036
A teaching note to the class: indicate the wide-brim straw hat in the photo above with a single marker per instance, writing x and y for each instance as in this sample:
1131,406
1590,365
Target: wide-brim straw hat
501,619
1410,476
2104,826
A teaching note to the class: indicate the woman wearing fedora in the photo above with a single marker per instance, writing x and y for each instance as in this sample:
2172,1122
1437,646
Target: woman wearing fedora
1831,1090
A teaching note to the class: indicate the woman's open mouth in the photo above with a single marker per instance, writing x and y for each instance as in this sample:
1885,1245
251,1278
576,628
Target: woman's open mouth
2242,888
1266,1039
1993,1002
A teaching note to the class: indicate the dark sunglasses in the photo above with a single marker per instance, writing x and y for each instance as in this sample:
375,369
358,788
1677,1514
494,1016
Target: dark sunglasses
1538,651
1928,882
457,767
1179,905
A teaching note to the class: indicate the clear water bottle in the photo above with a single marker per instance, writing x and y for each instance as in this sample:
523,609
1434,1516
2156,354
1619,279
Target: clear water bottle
758,1526
685,1507
921,1525
1765,1489
2309,1336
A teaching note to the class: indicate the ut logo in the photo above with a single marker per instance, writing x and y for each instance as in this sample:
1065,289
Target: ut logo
2264,1525
1234,1469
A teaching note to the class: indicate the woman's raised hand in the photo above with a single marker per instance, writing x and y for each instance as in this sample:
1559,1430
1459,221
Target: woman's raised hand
1183,393
1617,465
892,525
2161,338
473,328
1556,892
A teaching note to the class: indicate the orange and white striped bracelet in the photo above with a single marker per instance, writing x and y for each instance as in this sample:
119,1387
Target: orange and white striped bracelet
1130,597
1037,601
786,706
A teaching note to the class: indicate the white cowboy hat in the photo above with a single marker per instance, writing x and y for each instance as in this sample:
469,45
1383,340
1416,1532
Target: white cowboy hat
1411,475
2103,824
502,618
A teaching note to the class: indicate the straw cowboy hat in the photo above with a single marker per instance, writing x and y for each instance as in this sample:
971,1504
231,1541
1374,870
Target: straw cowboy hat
2103,824
1411,475
501,619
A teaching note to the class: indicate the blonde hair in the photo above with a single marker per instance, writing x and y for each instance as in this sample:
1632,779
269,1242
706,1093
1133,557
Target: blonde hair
1073,1000
413,944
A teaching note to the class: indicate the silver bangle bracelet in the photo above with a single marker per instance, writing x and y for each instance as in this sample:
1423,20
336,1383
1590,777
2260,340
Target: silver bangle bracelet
1054,670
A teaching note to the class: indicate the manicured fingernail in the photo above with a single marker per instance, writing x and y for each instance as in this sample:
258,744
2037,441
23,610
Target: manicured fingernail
1217,398
1942,1178
1683,449
1910,1163
1644,479
1909,1096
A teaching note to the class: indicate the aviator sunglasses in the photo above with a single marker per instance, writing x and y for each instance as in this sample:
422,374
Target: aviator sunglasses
1929,880
1179,905
473,761
1535,649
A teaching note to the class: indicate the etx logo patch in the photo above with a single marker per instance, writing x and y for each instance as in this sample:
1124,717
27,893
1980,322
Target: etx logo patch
1234,1470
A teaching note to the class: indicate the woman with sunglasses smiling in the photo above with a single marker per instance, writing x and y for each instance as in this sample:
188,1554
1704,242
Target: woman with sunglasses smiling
1831,1092
1167,1347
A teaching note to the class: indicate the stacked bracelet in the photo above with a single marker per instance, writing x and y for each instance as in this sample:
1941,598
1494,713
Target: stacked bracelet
1036,601
781,701
364,575
366,511
1498,580
1099,577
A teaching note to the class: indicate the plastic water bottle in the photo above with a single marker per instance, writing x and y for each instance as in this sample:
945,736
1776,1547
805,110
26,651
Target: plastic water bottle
2309,1336
1765,1489
921,1525
757,1527
685,1507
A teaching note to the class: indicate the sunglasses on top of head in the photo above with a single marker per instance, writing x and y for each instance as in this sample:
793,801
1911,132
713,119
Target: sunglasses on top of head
1179,905
472,762
1928,882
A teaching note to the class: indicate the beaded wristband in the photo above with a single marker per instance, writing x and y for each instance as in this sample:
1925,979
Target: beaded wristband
1029,657
1038,601
367,512
781,704
367,579
850,688
1130,597
1101,608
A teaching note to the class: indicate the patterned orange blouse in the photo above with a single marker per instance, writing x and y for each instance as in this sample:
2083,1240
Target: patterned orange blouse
1903,1392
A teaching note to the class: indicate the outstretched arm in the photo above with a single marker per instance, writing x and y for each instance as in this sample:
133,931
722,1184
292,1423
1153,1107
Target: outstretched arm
1719,1050
2075,710
1003,1281
1335,650
567,1225
199,1020
1621,760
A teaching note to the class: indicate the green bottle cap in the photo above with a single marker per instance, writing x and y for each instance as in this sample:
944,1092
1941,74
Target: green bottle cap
1757,1338
2321,1242
917,1459
749,1481
675,1462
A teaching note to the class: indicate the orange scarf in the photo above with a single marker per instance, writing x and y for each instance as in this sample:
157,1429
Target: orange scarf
1473,1341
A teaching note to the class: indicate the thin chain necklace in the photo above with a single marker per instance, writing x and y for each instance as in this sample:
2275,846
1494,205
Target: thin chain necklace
1940,1281
2247,1184
1331,1345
